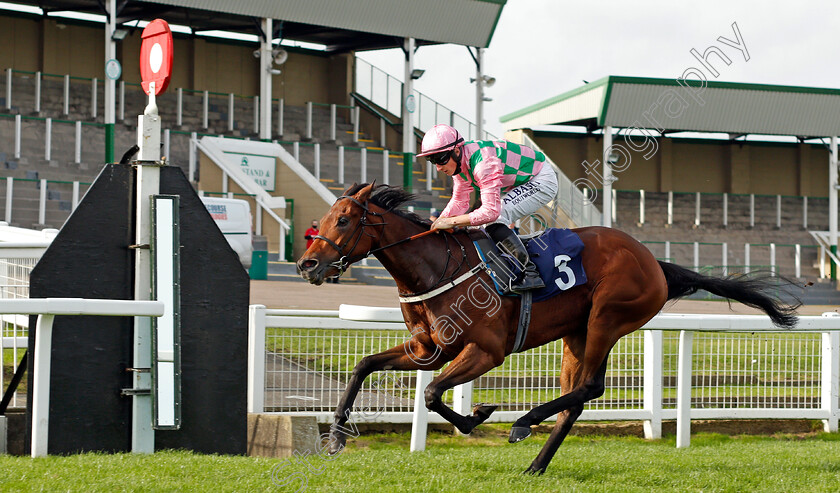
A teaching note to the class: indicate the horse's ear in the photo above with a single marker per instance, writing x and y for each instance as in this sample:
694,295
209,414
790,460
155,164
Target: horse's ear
351,187
364,194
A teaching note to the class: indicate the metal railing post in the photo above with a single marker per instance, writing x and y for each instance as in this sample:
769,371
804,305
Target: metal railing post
256,358
653,384
725,209
78,153
332,122
230,112
122,100
830,391
746,258
280,117
614,206
193,159
641,207
340,164
66,103
296,150
317,157
41,386
697,209
696,257
93,95
18,125
179,119
798,260
363,158
668,252
309,120
166,146
48,139
752,210
9,190
420,418
205,109
724,255
382,133
257,115
37,92
75,196
778,211
356,125
670,208
8,88
773,259
42,202
805,212
684,389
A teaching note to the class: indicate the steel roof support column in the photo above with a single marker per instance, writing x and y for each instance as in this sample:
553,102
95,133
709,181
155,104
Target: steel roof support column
479,94
265,79
606,216
408,106
832,202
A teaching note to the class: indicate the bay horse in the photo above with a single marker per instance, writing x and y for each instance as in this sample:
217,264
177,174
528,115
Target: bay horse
625,287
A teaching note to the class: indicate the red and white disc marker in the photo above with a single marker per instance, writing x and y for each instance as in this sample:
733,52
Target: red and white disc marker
156,56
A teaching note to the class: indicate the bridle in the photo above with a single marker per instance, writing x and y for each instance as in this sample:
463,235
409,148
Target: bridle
345,259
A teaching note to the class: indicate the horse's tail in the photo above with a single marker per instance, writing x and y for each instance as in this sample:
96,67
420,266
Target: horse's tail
749,290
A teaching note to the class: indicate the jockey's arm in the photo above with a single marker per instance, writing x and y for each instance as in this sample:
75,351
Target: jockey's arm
489,182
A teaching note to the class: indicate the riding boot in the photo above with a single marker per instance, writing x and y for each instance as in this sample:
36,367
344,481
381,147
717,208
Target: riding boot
508,241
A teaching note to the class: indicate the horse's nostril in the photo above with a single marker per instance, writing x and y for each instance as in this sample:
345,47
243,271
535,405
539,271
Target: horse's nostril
307,264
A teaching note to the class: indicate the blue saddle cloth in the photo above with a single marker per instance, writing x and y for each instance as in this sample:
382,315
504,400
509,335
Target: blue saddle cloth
556,254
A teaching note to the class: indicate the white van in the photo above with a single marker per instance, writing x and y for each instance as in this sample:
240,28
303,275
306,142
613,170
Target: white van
233,217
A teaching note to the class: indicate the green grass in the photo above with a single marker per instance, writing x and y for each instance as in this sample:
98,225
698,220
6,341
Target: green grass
475,464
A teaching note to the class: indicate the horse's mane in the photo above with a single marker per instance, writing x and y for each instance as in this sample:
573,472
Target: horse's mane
391,198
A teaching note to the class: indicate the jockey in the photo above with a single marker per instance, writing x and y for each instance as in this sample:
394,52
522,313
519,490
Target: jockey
512,180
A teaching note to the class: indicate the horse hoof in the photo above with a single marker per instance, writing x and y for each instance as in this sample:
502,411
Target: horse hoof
519,433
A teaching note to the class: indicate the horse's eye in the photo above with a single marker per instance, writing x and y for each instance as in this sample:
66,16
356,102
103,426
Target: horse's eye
343,221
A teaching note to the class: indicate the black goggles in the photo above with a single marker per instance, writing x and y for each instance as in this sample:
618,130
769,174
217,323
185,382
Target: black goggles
440,158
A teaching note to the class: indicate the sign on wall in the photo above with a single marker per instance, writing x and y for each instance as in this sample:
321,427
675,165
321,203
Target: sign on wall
260,168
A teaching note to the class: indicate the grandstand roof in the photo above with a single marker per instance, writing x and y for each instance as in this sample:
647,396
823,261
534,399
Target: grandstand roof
672,106
340,25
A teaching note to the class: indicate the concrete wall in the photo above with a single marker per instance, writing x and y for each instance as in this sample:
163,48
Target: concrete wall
695,165
64,46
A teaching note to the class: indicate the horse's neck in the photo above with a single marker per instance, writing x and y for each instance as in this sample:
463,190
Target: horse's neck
418,265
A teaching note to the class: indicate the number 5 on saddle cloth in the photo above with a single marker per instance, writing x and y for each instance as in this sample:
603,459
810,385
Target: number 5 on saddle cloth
556,253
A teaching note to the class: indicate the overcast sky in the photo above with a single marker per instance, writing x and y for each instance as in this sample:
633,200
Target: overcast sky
542,48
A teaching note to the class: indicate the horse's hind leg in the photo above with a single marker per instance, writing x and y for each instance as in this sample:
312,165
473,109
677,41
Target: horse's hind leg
573,347
470,363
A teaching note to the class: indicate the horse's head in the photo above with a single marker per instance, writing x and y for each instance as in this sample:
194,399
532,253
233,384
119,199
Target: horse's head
345,237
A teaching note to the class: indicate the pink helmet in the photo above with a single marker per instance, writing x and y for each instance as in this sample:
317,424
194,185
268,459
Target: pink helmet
440,138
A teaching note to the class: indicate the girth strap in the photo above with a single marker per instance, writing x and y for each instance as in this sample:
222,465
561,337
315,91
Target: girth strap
524,322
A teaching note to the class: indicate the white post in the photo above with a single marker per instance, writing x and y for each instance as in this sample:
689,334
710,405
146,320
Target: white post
266,62
386,175
280,117
8,88
93,102
179,119
697,209
231,107
832,195
668,251
148,184
109,84
773,258
778,212
798,259
256,358
670,208
408,141
9,189
48,139
653,383
41,386
830,392
479,95
641,207
38,92
296,150
340,164
382,132
746,258
684,389
257,115
363,158
752,210
822,262
317,152
75,198
608,179
724,254
78,153
122,100
462,399
66,105
205,109
193,159
420,418
42,203
696,257
614,205
308,120
166,143
356,124
18,125
725,209
332,122
805,212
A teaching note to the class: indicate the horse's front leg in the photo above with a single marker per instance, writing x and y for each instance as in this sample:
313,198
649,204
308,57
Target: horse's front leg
411,355
470,363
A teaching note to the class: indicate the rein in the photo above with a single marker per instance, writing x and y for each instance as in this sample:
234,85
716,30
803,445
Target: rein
342,263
